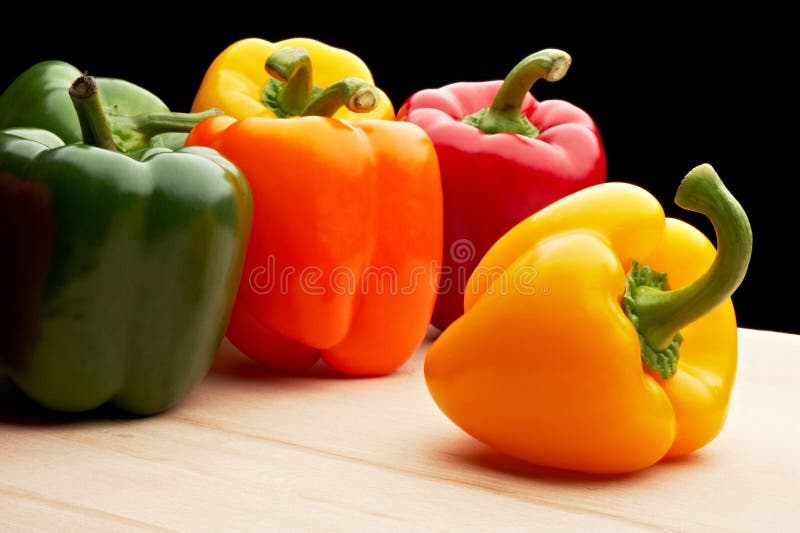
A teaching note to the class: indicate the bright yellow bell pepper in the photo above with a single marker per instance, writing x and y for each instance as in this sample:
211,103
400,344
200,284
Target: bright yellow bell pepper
237,79
567,353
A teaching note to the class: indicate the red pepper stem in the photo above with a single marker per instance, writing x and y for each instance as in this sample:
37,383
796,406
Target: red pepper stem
505,115
292,66
355,94
91,115
663,313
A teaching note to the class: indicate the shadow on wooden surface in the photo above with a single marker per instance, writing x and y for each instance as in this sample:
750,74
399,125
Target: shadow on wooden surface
474,454
17,409
230,362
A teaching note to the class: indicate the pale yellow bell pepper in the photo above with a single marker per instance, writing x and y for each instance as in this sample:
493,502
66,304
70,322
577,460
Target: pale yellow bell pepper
236,80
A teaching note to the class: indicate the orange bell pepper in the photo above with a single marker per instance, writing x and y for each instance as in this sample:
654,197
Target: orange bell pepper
562,361
346,244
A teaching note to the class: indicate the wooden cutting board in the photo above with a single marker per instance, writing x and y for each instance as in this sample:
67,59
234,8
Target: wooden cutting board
253,450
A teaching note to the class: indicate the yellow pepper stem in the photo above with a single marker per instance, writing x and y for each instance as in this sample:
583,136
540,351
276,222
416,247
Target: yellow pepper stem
292,67
291,92
355,94
661,314
505,113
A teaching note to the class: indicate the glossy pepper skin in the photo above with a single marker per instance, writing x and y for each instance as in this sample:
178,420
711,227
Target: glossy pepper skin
343,259
39,98
236,80
119,274
497,172
547,363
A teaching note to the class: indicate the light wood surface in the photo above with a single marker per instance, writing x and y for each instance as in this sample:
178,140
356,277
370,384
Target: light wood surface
251,450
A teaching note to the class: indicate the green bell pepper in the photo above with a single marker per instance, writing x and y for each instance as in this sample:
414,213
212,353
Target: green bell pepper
39,98
119,271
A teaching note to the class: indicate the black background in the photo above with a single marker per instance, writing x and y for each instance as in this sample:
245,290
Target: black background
668,91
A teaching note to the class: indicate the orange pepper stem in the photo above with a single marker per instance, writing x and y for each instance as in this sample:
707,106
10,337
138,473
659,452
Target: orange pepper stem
292,66
91,116
661,314
505,113
357,95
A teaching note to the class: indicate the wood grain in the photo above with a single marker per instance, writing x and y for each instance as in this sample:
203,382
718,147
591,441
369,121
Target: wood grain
253,450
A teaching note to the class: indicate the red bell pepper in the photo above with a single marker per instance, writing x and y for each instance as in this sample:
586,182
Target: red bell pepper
503,156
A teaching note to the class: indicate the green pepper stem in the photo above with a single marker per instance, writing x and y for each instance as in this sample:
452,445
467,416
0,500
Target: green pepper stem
149,125
122,132
136,132
505,113
292,66
355,94
663,313
91,115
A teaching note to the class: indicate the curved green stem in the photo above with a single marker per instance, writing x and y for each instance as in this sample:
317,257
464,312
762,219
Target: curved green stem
122,132
292,67
95,128
133,133
152,124
661,314
505,115
357,95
